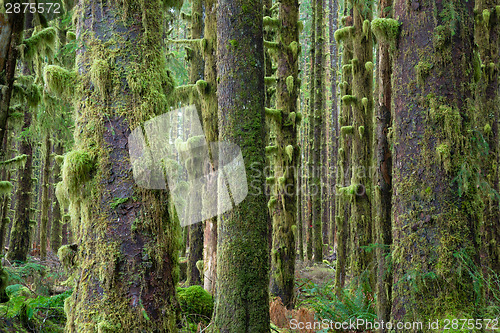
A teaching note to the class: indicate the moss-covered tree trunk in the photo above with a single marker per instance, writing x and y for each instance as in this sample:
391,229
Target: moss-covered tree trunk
19,244
487,68
242,248
383,173
282,204
317,129
45,195
210,126
361,131
196,71
127,238
57,218
342,202
435,199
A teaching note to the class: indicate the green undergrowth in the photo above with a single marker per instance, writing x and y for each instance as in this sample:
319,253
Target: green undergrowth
196,307
31,307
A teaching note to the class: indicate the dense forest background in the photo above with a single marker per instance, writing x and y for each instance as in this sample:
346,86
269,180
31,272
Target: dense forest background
369,139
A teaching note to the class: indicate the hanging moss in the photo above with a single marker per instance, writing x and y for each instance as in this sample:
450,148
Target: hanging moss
289,152
343,33
271,22
5,187
60,81
289,83
361,131
77,169
346,130
100,76
62,195
274,114
423,70
386,30
42,42
487,129
272,202
443,154
270,80
295,48
17,162
486,17
66,255
366,27
369,66
349,99
270,180
202,87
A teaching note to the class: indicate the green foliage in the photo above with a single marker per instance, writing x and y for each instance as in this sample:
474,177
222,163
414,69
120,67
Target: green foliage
352,303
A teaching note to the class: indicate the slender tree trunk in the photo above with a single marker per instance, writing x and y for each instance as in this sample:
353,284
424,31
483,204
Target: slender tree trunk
210,127
242,248
195,73
282,205
19,245
45,195
435,211
57,220
383,179
127,236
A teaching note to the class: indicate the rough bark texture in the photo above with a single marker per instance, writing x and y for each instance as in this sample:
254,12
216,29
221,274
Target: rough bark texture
57,218
21,227
319,91
196,71
383,175
282,205
435,200
45,195
210,127
126,273
242,248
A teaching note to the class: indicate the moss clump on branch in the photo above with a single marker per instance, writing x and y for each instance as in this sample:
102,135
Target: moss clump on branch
346,130
289,84
5,187
41,43
60,81
386,30
343,33
369,66
269,80
274,114
271,22
349,99
77,170
17,162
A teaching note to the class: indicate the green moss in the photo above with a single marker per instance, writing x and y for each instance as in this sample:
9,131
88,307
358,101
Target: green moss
194,301
270,80
289,84
117,202
270,180
369,66
385,30
41,43
361,131
349,99
343,33
59,159
15,163
444,156
4,280
66,255
77,169
423,70
70,36
364,101
486,17
487,129
441,36
366,27
100,76
202,87
272,202
274,114
271,22
104,326
60,81
476,62
289,152
295,48
6,187
234,43
346,130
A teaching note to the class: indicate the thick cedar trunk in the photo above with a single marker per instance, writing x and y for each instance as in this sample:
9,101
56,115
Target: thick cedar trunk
210,126
195,73
21,227
127,236
45,195
435,208
283,211
242,248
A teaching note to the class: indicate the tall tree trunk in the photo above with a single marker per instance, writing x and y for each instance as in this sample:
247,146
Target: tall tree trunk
383,174
487,38
21,226
57,219
242,248
127,237
45,195
195,73
435,202
282,205
210,127
317,124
